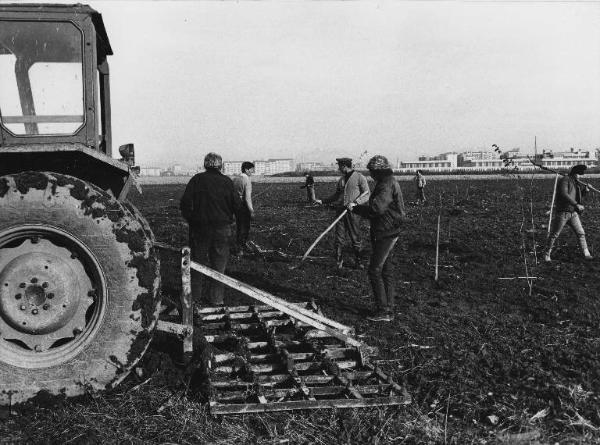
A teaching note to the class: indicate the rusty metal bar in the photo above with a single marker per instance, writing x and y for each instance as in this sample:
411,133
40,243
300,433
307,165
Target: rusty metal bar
223,409
322,391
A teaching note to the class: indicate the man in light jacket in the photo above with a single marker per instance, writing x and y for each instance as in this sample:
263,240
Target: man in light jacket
243,187
352,188
420,182
569,194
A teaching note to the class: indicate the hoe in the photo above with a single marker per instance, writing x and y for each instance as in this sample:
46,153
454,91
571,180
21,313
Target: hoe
79,265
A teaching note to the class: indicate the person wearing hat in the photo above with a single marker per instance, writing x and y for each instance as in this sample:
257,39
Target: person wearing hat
385,211
209,204
351,188
569,194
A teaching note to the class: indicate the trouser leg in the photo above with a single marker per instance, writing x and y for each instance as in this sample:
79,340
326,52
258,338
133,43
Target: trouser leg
218,256
575,223
387,274
339,233
310,194
558,223
352,226
382,281
199,240
243,220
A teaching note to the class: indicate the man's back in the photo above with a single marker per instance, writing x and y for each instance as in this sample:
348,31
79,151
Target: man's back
209,199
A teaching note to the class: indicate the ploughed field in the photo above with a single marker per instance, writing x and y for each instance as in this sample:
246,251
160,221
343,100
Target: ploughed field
488,356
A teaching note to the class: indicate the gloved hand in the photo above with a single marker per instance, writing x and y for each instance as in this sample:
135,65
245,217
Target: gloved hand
350,206
318,201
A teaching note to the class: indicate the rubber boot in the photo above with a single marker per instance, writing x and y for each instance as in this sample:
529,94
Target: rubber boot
547,257
584,248
338,257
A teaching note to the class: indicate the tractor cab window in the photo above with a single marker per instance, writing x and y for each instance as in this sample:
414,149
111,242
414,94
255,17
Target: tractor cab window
41,78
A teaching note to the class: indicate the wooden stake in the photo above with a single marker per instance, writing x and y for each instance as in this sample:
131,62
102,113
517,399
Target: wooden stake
552,204
187,304
437,249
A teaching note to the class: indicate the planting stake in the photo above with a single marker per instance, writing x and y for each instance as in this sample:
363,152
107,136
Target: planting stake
437,249
552,203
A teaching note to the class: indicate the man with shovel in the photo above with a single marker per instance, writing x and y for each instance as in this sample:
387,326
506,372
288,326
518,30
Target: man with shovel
569,193
351,189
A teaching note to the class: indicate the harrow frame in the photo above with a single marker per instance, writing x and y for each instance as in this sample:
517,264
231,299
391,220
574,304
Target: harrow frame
277,355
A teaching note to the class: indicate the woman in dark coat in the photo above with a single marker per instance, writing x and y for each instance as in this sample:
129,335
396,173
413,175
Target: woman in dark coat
385,211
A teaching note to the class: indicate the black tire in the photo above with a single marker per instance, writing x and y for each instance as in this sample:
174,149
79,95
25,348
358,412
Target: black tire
71,225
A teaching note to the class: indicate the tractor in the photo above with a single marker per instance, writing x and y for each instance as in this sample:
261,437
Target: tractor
79,272
79,265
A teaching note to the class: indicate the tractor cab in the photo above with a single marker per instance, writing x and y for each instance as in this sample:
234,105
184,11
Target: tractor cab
55,95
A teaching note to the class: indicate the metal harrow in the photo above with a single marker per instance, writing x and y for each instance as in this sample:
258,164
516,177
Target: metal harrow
278,355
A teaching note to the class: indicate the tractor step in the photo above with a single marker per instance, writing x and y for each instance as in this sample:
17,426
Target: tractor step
263,360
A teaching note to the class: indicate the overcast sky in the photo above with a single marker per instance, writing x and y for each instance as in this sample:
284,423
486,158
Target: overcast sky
316,80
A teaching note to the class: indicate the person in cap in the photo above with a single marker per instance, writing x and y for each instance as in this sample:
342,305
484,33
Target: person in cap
309,185
209,204
243,187
568,207
385,211
351,188
420,182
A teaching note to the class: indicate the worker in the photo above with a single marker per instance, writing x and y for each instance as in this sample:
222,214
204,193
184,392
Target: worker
209,204
309,185
352,187
568,207
385,211
243,187
420,182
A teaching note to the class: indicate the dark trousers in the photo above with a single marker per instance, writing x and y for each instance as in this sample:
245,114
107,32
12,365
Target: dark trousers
349,224
242,224
381,274
210,247
421,194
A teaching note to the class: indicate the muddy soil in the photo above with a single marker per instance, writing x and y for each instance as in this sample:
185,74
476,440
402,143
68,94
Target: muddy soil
485,353
481,337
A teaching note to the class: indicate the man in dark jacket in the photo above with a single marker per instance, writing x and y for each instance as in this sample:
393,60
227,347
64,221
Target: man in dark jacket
209,204
309,185
386,212
567,204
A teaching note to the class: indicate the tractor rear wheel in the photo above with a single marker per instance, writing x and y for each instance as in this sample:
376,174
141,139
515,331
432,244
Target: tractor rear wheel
79,287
